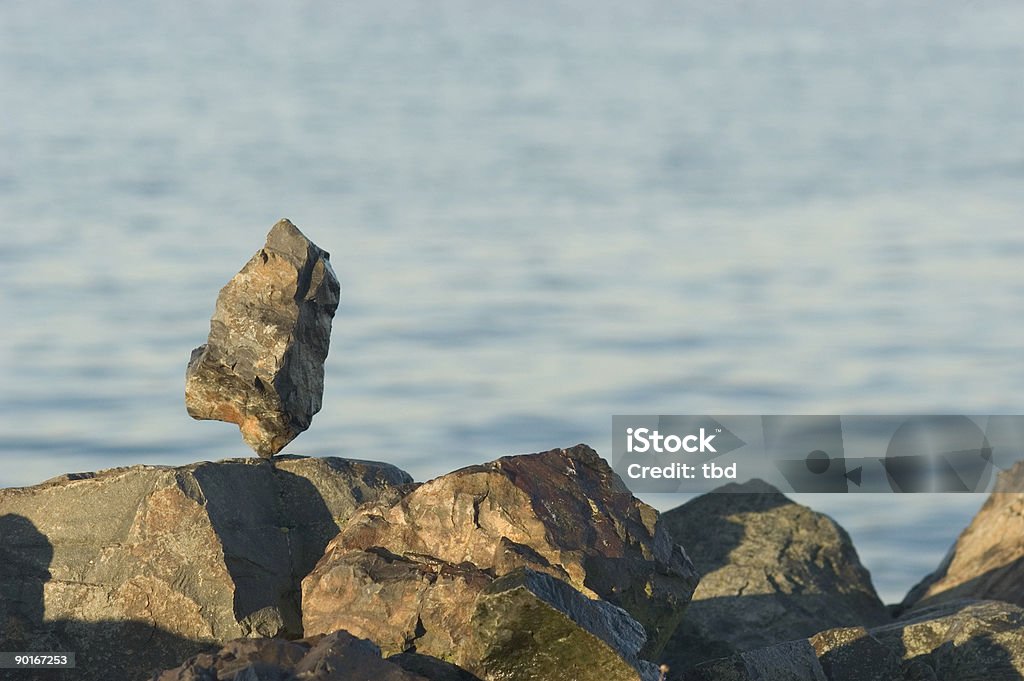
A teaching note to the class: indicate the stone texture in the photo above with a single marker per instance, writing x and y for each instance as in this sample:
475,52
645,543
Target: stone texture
987,560
773,570
852,654
563,512
961,640
529,625
146,565
400,602
792,661
958,641
336,657
263,364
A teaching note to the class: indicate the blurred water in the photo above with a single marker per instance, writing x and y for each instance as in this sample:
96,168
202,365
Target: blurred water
542,214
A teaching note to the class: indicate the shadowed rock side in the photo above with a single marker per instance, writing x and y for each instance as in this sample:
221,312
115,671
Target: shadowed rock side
958,641
335,657
263,364
408,575
987,560
190,555
772,570
529,625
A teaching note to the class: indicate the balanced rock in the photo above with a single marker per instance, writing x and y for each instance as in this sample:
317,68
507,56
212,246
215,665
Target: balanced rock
263,364
987,560
415,568
143,566
772,571
336,657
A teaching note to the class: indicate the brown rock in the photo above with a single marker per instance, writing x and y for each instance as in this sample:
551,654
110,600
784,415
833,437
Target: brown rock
143,566
773,570
563,512
399,602
987,560
263,364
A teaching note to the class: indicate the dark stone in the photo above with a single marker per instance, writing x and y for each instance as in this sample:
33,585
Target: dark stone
960,641
530,625
335,657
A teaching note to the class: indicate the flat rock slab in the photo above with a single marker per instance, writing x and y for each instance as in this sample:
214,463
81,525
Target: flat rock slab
773,571
987,560
146,565
263,364
563,512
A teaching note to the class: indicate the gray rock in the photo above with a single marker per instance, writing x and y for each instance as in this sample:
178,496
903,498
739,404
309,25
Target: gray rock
852,654
263,364
987,560
562,512
792,661
144,566
337,657
773,571
959,641
529,625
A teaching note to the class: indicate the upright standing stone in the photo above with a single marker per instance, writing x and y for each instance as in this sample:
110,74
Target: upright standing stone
263,364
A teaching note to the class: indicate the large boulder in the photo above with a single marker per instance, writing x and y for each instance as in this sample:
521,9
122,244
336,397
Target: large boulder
263,364
957,641
336,657
987,560
772,571
149,563
416,567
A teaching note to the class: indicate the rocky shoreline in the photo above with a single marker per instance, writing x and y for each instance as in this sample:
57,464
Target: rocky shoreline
539,566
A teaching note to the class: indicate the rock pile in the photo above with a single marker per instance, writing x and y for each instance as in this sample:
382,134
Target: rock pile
413,575
263,364
535,567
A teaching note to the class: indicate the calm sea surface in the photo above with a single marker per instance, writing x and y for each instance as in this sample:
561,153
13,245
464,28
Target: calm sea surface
542,214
